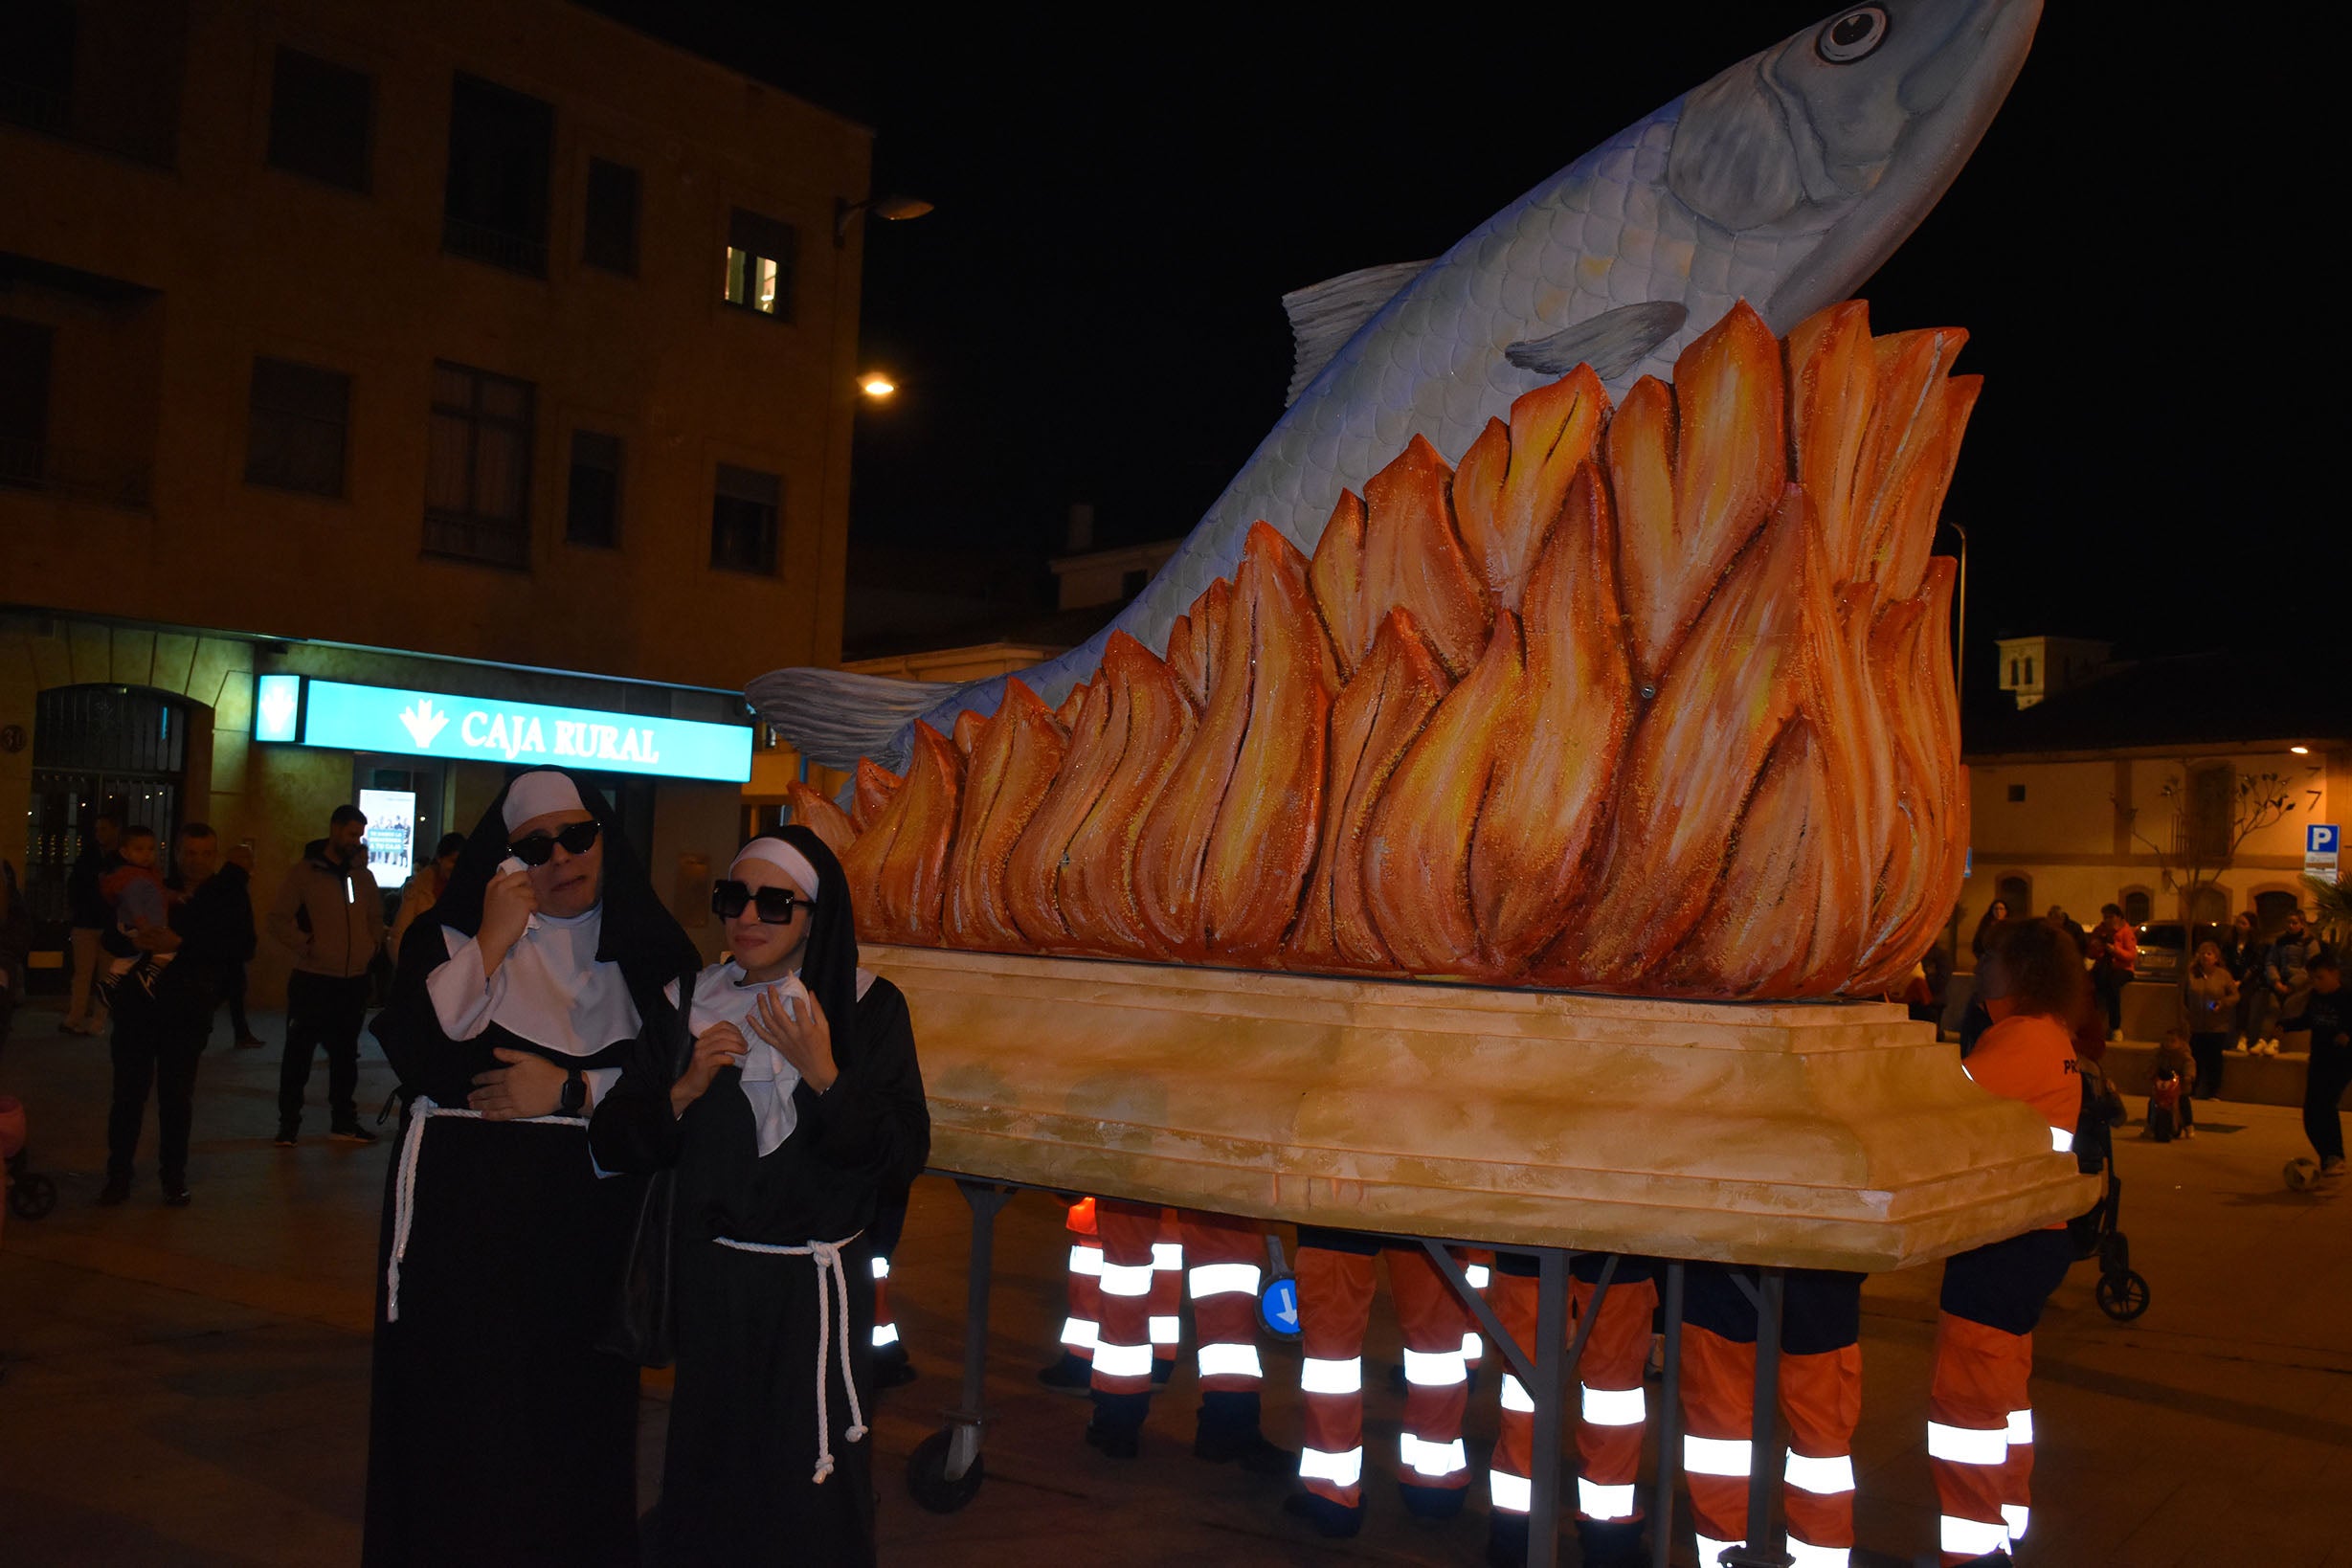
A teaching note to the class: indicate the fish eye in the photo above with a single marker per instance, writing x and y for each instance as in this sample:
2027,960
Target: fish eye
1853,35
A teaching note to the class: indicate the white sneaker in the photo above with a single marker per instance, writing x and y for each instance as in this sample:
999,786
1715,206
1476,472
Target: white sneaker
2332,1166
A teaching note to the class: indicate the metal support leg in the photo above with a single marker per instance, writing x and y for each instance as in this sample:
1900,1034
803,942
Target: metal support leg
1669,1426
1550,1393
964,1421
1763,1547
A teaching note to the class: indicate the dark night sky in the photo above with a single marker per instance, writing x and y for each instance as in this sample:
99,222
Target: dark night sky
1092,313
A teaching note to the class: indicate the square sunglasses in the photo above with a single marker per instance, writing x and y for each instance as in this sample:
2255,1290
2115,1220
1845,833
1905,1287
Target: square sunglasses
539,848
776,905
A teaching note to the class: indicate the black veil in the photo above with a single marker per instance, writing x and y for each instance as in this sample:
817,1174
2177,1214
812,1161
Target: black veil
829,967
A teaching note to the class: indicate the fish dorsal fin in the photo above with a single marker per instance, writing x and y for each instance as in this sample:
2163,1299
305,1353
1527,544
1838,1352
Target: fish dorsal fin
1612,342
1324,316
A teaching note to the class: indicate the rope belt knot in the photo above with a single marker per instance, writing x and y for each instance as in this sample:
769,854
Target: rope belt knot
827,1256
404,1200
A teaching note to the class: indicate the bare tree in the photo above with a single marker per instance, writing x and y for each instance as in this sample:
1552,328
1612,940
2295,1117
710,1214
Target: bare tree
2209,810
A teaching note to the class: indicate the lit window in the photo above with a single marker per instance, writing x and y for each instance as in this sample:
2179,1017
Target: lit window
760,253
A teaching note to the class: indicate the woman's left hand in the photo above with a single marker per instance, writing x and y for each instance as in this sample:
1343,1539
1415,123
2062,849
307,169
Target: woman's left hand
805,1039
529,1085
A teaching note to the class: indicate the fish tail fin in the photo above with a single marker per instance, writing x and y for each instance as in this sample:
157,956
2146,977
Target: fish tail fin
833,717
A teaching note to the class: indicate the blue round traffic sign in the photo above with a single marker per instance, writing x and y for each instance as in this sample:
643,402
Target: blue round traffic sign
1278,1307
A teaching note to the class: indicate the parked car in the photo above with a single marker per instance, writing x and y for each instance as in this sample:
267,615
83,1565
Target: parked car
2165,947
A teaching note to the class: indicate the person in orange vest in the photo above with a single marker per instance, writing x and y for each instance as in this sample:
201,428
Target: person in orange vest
1819,1380
1335,1303
1137,1250
1979,1432
1612,1410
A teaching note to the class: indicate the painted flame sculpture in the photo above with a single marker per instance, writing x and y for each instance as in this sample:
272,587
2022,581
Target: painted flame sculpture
1652,700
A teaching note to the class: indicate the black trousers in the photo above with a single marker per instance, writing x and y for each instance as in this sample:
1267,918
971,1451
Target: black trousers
2207,1049
158,1051
321,1009
2108,979
2324,1080
234,994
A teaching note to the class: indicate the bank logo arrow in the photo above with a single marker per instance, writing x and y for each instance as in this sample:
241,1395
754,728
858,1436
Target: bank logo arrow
278,710
422,722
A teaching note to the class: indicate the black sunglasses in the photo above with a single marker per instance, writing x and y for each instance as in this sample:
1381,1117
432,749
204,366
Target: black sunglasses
577,838
730,899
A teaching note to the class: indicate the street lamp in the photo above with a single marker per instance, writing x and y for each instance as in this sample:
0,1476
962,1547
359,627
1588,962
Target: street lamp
896,209
876,386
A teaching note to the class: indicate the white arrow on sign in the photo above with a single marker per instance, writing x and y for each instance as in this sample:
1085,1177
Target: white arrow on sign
1287,1314
278,710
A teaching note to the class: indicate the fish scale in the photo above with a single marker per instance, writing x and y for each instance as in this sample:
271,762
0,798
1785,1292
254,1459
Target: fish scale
1617,227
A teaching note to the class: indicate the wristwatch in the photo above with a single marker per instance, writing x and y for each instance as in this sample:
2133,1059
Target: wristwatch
574,1097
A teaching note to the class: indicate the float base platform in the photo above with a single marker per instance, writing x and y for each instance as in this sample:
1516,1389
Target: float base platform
1799,1135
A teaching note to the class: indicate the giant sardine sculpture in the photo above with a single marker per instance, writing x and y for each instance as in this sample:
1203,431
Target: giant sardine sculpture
1785,181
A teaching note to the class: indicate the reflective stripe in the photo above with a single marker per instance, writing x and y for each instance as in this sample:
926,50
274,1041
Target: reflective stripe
1805,1555
884,1334
1122,1360
1472,1347
1078,1332
2015,1515
1230,1361
1515,1396
2061,1141
1973,1537
1711,1551
1126,1279
1614,1407
1167,1254
1435,1369
1822,1477
1512,1493
1477,1275
1164,1331
1318,1375
1604,1503
1435,1460
1224,1279
1339,1470
1086,1260
881,1269
1717,1456
2021,1426
1966,1444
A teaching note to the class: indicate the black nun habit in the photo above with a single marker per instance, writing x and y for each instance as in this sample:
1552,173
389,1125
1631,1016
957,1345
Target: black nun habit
747,1479
498,1434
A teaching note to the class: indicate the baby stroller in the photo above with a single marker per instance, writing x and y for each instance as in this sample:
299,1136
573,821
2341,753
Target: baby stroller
30,1194
2122,1291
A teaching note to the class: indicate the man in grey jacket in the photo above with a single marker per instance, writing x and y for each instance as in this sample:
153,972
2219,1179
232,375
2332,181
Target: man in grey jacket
329,915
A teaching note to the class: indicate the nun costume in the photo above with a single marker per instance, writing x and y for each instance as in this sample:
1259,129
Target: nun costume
498,1434
786,1143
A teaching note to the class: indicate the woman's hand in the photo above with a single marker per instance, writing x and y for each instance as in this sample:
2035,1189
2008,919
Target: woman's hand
721,1045
800,1033
529,1085
507,910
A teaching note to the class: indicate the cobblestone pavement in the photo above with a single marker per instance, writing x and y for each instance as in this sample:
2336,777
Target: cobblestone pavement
187,1388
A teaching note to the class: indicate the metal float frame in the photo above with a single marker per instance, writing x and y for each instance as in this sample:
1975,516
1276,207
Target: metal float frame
1545,1375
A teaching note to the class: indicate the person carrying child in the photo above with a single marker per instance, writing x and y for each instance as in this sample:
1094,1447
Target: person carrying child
137,901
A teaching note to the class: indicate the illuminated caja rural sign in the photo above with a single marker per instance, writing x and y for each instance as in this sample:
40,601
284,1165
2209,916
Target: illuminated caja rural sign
436,724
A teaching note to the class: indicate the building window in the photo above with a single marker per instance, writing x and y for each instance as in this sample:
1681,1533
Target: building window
24,400
2017,794
2137,905
609,235
478,479
2028,669
2012,672
2208,815
760,253
296,427
321,116
495,208
106,76
744,511
592,510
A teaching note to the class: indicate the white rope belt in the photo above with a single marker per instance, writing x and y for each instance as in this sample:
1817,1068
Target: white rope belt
828,1257
404,1200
